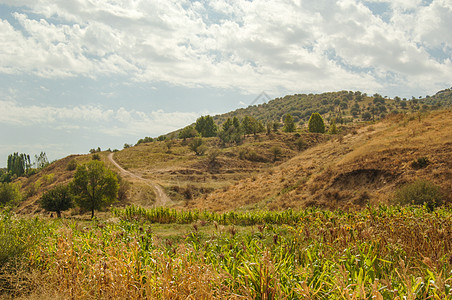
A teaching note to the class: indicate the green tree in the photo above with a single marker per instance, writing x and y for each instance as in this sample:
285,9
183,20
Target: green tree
94,186
18,164
316,123
333,127
197,145
252,126
41,161
206,126
289,124
188,132
57,199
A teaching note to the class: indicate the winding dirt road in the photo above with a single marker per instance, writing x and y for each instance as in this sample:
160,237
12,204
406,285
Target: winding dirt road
162,198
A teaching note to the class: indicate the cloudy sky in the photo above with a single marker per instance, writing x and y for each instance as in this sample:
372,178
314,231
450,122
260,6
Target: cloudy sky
81,74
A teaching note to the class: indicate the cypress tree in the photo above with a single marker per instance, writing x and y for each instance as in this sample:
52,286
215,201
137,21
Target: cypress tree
316,123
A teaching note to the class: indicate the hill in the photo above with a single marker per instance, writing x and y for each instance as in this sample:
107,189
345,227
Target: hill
278,169
364,166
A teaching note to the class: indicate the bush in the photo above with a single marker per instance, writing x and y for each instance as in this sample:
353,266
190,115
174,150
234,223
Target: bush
9,193
197,146
72,165
276,152
316,123
57,199
420,163
420,192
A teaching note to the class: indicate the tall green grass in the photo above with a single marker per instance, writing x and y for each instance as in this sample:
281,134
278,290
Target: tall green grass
378,253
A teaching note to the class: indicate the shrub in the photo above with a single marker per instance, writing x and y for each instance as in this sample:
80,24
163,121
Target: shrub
9,193
72,165
96,157
420,192
420,163
300,143
316,123
57,199
197,146
289,125
276,152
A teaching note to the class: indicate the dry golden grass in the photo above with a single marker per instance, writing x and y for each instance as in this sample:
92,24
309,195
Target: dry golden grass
352,170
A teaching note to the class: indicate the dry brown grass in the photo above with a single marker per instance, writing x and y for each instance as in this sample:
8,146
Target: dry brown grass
364,167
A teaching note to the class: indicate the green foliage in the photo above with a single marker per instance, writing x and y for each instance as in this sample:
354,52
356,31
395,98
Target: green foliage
18,164
420,192
420,163
145,140
71,165
231,132
127,146
276,152
17,237
251,125
95,156
57,199
188,132
206,126
41,160
300,143
333,127
9,193
94,186
289,124
316,123
197,146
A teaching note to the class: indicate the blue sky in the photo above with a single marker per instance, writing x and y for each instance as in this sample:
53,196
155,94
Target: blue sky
82,74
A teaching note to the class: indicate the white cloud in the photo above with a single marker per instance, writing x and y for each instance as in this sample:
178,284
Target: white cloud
253,46
120,122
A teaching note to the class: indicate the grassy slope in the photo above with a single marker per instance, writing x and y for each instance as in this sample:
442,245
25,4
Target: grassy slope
344,172
187,176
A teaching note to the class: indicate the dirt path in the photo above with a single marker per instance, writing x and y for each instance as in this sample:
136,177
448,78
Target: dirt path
162,198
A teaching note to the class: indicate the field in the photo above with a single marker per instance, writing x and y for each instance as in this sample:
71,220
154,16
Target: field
378,253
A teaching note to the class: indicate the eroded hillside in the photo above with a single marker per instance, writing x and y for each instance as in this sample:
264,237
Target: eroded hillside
366,165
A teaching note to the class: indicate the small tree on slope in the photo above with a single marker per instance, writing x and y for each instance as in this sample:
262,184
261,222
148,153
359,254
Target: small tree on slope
316,123
57,199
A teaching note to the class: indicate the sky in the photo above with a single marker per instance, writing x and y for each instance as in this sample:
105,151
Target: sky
82,74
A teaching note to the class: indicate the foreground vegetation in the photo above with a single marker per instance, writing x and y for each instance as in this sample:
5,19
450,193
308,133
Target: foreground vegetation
378,253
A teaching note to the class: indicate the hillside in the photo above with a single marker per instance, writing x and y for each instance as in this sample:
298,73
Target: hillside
358,165
344,106
363,166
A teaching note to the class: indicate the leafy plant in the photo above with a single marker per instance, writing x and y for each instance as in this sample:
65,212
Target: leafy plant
197,146
57,199
94,186
316,123
420,192
420,163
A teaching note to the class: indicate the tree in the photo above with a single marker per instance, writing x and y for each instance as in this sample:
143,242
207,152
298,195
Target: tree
333,127
289,124
41,161
18,164
94,186
252,126
316,123
206,126
197,146
57,199
188,132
